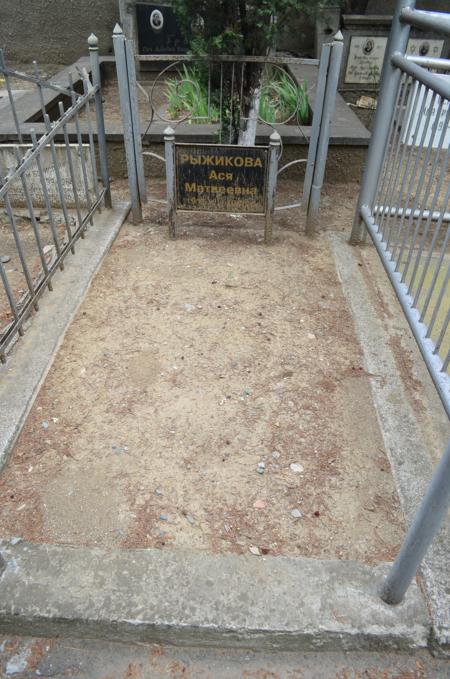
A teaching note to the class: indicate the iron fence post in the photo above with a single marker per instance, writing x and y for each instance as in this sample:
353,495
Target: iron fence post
424,527
389,83
274,151
329,102
101,137
169,148
120,53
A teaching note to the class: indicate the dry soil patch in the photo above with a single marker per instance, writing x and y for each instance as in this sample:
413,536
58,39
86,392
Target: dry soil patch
191,367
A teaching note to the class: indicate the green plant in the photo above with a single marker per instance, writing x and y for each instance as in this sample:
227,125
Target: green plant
188,97
283,100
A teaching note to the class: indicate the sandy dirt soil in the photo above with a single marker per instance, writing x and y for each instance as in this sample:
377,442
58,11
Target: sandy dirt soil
209,394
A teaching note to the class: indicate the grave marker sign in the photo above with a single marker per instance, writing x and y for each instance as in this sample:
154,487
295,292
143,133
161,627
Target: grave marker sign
219,178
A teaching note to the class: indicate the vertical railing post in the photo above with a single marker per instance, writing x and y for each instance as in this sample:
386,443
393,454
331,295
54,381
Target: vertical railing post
316,121
134,108
320,161
274,152
101,137
169,150
389,83
420,535
4,70
129,132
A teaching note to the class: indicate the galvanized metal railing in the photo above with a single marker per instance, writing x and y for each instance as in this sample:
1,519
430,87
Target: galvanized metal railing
61,178
404,206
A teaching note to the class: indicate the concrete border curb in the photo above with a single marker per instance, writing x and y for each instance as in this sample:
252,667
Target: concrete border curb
193,598
411,464
29,363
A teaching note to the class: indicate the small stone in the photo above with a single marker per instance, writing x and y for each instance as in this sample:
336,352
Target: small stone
296,514
158,491
190,519
15,541
311,336
276,455
255,550
119,449
259,504
189,307
261,467
5,259
45,424
296,467
163,517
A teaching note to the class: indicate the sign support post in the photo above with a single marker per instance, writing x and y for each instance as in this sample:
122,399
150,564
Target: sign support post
274,151
169,141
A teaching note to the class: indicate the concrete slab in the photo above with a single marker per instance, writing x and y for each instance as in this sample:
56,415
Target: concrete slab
97,659
194,598
405,445
26,368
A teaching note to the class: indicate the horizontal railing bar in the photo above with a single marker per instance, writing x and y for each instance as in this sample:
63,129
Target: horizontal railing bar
430,80
238,58
422,214
419,329
154,155
37,81
25,310
430,62
44,141
432,21
292,162
288,207
157,200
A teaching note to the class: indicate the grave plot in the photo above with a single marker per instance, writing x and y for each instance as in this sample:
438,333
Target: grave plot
209,394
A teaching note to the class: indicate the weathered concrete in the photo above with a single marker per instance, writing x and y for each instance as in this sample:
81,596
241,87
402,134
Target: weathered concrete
26,368
98,659
16,194
28,32
187,597
405,446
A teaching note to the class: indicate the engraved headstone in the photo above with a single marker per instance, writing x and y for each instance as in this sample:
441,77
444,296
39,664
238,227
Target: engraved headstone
365,41
16,195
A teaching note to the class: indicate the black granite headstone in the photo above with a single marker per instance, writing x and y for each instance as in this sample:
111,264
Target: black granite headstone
158,30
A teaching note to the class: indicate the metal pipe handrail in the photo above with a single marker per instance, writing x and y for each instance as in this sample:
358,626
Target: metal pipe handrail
231,58
430,62
432,21
430,80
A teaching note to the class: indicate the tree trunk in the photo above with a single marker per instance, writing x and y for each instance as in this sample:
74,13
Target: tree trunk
250,106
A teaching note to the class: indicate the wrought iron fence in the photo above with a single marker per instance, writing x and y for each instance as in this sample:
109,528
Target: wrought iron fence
50,191
404,205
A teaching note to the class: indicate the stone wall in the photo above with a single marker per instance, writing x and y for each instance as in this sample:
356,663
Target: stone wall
55,31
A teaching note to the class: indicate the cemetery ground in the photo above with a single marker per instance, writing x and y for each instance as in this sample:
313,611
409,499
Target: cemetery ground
210,394
212,397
